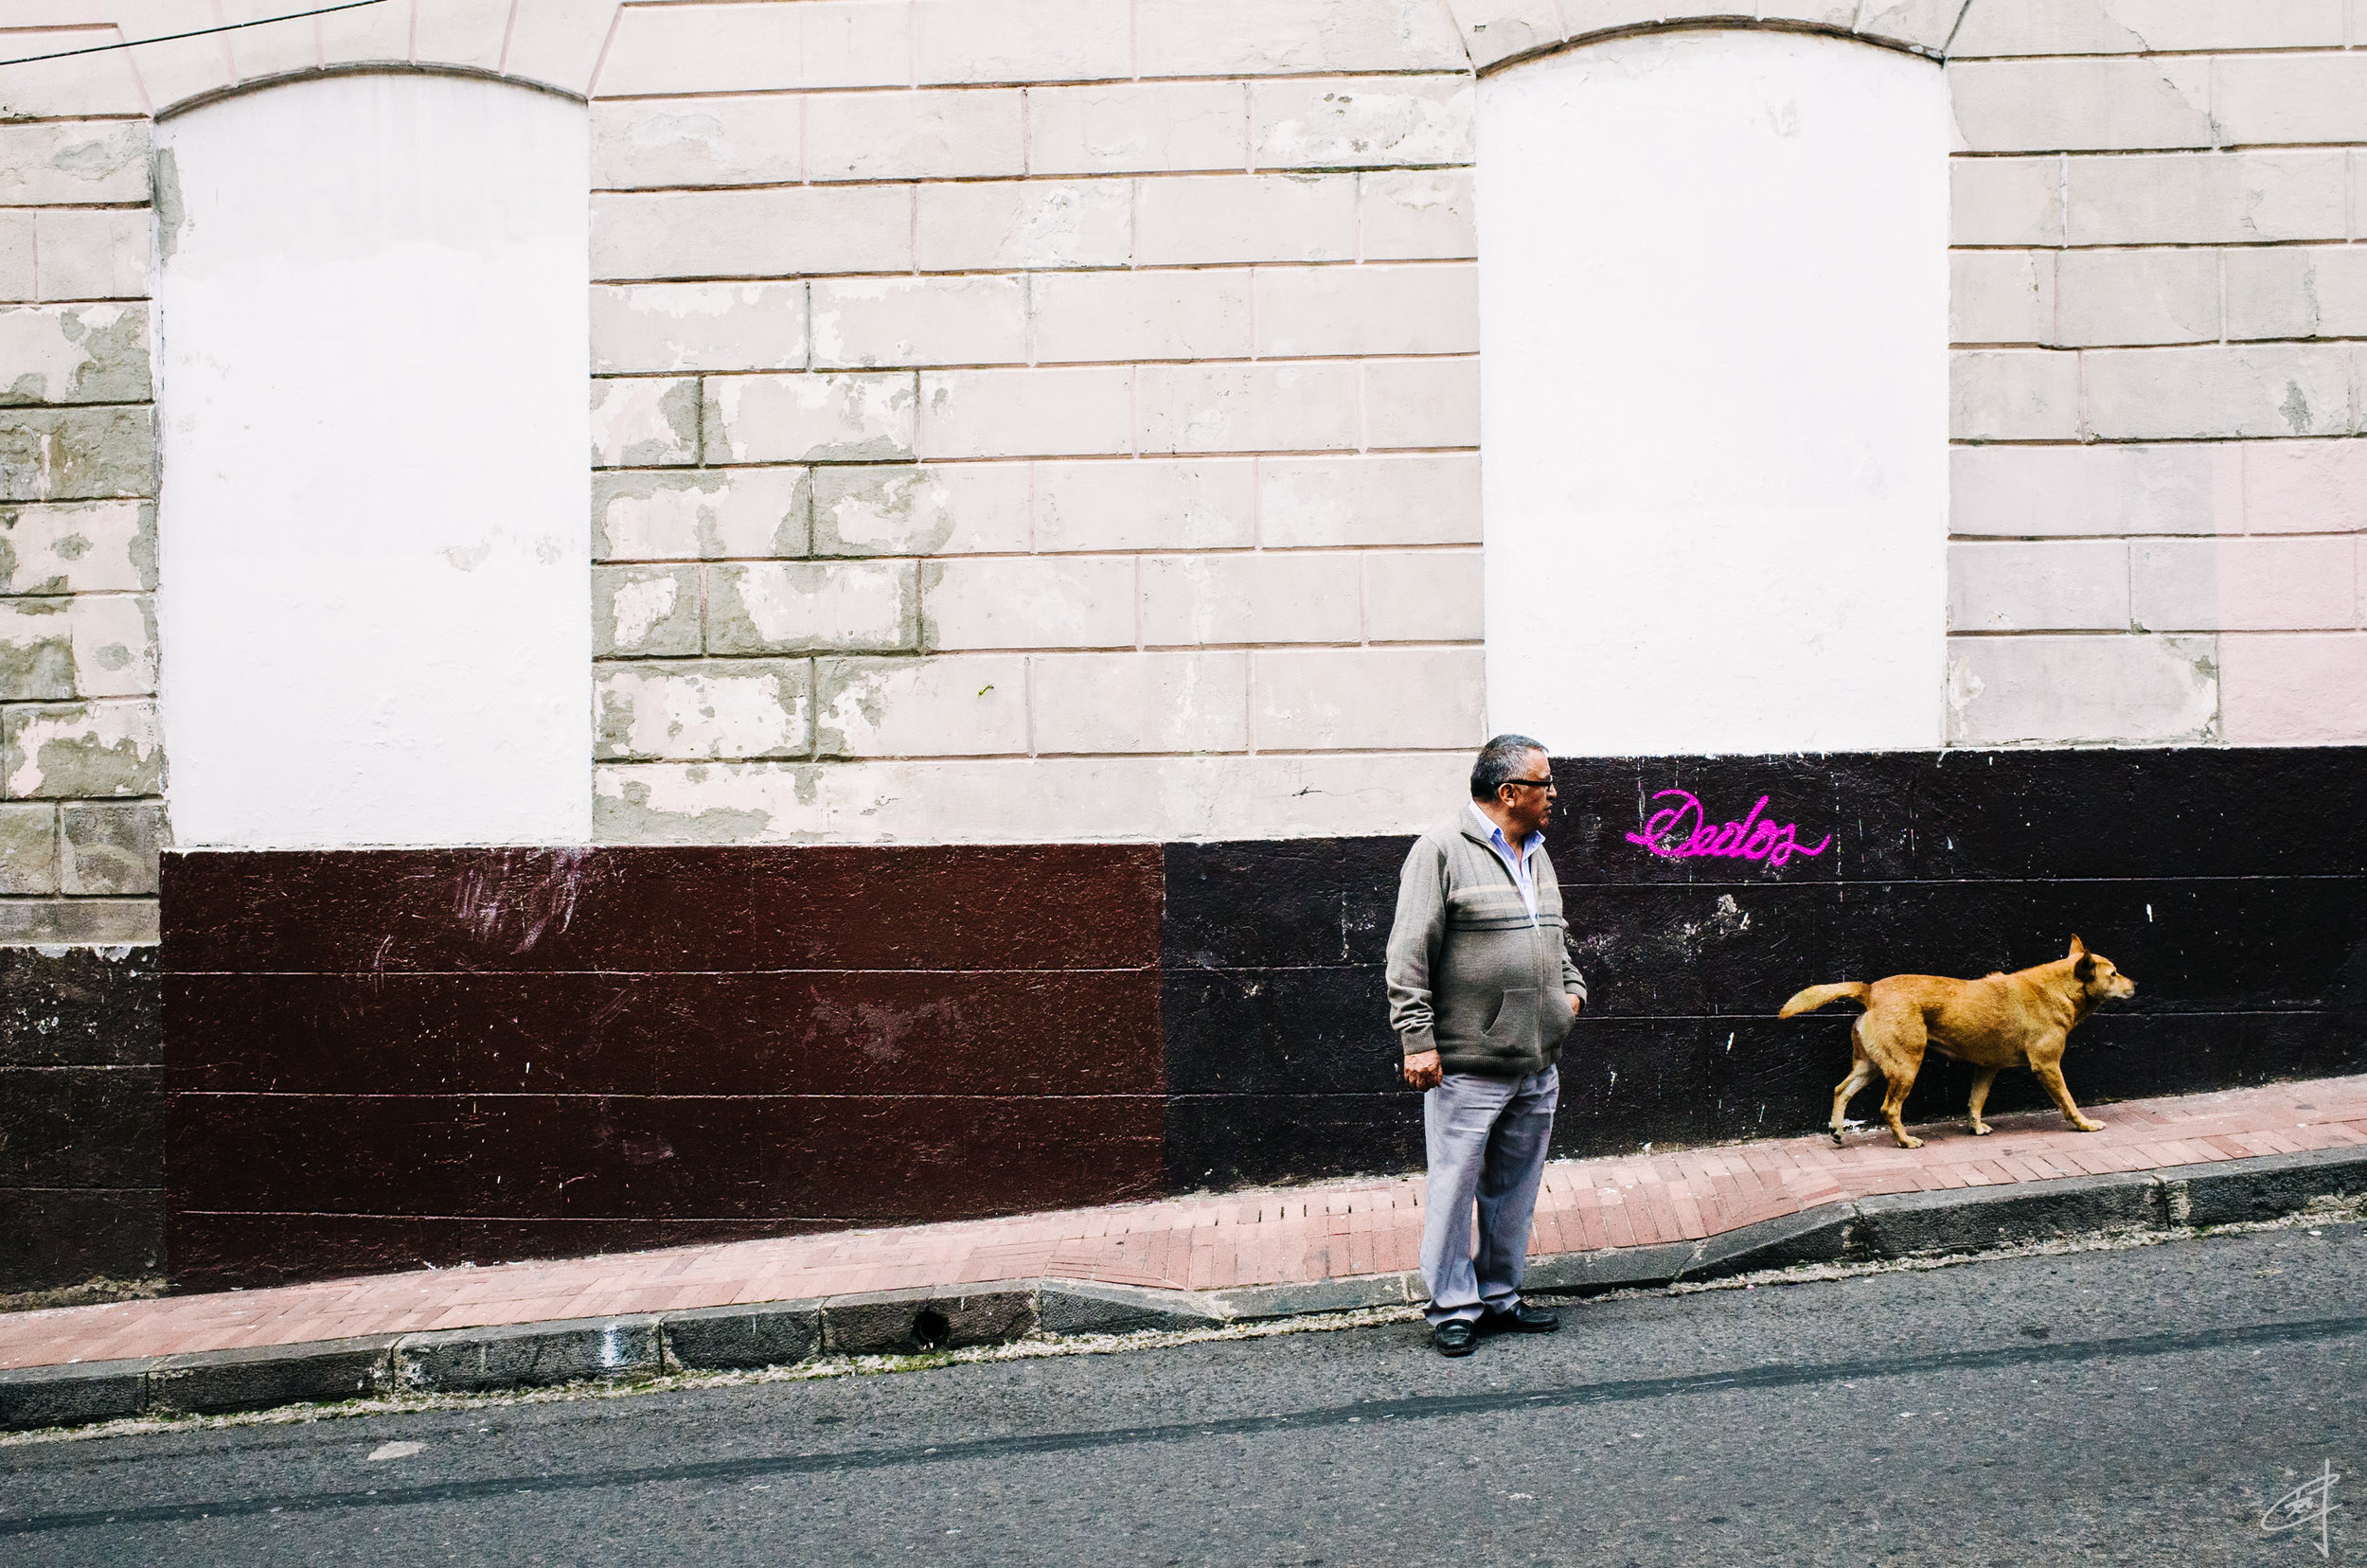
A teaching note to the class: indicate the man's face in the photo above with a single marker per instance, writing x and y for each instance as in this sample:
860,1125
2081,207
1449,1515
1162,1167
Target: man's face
1527,798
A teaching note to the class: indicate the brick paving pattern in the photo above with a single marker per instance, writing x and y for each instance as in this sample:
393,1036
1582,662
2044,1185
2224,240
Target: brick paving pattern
1331,1231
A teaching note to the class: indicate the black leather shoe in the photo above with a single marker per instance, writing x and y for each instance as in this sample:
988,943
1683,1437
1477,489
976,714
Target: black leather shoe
1455,1337
1523,1318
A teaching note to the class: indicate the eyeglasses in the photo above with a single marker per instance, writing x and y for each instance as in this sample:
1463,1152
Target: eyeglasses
1544,784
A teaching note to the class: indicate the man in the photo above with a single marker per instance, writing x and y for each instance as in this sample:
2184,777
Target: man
1481,992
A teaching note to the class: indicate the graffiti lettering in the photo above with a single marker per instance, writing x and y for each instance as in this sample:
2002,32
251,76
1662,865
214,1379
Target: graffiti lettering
1684,829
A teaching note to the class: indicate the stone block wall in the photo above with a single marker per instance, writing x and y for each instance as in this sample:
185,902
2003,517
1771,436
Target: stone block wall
2158,285
82,765
1137,342
1032,420
82,758
1059,421
81,754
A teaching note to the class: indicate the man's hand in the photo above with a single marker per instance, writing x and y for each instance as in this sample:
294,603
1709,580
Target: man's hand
1576,1003
1422,1070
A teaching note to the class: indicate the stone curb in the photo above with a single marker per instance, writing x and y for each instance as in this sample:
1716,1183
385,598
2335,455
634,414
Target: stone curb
783,1333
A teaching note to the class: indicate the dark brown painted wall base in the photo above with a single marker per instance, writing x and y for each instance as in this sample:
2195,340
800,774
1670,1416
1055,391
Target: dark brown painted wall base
81,1117
379,1058
382,1059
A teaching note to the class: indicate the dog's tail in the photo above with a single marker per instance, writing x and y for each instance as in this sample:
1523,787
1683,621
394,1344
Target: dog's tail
1817,996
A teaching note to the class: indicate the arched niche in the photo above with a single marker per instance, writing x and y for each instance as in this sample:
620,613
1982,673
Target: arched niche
373,575
171,56
1713,362
1496,33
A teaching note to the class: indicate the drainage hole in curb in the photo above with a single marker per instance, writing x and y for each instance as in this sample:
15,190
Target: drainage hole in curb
931,1329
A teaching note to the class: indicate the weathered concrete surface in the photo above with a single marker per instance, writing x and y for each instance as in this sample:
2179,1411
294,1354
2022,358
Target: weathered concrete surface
75,454
75,353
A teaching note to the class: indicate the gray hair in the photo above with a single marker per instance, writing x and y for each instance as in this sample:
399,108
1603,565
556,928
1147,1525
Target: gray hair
1498,762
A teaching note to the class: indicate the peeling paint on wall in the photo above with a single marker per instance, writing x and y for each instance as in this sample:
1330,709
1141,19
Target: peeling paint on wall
665,807
76,454
173,213
702,514
85,749
92,547
74,353
880,511
747,708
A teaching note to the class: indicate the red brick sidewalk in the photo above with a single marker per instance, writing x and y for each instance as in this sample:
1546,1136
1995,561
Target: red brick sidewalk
1298,1234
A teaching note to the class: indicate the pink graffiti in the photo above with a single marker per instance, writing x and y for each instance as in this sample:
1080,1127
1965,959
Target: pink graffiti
1666,834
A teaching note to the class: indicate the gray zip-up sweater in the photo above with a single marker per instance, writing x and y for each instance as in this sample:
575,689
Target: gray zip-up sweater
1471,975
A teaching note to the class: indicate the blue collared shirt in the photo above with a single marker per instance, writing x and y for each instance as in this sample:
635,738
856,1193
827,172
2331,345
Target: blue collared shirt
1517,863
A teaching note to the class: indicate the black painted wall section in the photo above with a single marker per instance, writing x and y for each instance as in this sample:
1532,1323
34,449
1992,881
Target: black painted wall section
81,1117
1280,1060
2232,884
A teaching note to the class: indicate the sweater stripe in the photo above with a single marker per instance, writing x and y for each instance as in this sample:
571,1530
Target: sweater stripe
1471,975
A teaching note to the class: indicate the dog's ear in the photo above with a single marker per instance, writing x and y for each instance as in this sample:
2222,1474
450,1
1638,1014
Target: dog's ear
2085,970
2078,947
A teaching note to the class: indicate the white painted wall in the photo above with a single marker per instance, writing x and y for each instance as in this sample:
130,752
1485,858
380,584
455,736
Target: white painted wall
1713,394
374,603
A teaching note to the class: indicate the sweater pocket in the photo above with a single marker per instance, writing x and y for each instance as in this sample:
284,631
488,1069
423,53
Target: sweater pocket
1515,1023
1557,1018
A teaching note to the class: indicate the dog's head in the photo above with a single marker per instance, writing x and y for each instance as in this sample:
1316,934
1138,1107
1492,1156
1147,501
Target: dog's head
2097,974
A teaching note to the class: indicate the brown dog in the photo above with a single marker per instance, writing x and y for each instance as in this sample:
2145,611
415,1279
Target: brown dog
2019,1020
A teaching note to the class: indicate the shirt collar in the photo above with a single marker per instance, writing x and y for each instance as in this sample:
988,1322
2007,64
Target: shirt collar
1496,835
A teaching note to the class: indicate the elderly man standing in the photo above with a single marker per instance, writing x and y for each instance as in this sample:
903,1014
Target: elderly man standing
1481,992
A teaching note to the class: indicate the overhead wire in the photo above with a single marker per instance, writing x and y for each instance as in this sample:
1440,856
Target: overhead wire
201,32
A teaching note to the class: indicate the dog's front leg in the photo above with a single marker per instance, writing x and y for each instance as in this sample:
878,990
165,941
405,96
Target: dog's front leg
2051,1074
1980,1098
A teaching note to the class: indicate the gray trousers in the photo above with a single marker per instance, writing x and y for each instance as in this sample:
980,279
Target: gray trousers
1487,1140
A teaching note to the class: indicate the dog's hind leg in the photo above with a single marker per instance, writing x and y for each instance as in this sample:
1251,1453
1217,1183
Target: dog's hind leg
1861,1074
1893,1103
1900,1055
1980,1098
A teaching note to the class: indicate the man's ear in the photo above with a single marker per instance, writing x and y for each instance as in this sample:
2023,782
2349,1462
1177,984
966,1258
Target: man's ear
2078,947
2085,970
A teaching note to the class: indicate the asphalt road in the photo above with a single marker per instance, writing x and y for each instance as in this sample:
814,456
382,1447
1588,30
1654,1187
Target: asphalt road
2141,1406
